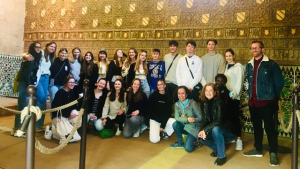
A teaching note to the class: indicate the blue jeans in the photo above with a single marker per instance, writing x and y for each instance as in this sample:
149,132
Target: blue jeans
189,143
97,123
41,97
52,91
21,102
146,87
217,138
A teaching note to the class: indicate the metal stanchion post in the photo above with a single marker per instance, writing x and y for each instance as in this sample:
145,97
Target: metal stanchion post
295,130
84,124
30,141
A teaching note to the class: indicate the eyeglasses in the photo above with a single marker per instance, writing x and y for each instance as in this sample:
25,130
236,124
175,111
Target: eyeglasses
37,47
71,82
255,48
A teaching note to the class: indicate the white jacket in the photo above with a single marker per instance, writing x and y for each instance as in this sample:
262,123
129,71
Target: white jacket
183,74
235,79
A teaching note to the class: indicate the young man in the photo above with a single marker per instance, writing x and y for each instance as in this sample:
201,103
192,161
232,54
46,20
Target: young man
156,70
189,70
213,62
171,61
264,84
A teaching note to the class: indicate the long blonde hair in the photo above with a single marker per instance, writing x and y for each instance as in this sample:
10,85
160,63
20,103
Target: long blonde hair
138,62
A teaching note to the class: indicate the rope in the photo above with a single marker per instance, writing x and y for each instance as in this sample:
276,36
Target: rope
45,111
46,150
24,113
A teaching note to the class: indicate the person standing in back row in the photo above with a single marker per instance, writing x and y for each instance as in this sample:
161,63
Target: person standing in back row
171,61
264,83
189,70
213,63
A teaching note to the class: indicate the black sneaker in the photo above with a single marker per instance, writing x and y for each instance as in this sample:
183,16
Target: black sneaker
164,135
214,154
220,161
273,159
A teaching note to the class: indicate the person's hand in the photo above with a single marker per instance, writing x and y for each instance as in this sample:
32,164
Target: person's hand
191,119
202,135
119,112
107,86
73,115
191,89
161,129
135,113
103,122
28,57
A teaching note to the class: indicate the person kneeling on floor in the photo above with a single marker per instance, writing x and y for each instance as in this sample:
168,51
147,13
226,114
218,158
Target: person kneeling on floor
69,114
215,131
188,116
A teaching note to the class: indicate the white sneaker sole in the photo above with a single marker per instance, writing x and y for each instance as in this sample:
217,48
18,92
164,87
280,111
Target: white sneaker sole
253,155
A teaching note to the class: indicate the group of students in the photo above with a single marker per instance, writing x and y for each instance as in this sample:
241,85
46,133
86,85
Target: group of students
135,94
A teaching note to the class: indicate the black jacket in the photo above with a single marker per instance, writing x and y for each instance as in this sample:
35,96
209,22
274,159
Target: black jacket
61,98
59,71
218,117
101,102
28,71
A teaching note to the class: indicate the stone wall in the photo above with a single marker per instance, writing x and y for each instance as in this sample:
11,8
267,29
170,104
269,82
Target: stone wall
12,14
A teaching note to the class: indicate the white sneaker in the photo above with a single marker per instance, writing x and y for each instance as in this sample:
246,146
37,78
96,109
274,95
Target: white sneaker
143,128
48,132
118,132
239,145
137,133
17,133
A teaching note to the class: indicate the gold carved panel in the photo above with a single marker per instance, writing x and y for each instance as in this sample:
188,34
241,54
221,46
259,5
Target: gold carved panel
112,24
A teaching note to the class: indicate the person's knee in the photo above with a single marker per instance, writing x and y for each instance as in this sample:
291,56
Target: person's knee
175,125
216,130
98,125
154,139
126,134
189,149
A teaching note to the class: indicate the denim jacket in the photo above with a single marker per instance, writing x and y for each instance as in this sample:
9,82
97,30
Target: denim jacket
269,81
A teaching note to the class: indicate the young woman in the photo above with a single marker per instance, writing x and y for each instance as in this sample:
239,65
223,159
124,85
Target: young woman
75,65
215,130
43,74
137,109
188,116
132,56
27,76
139,70
64,96
160,109
89,70
235,77
96,103
43,80
59,69
114,69
115,108
103,63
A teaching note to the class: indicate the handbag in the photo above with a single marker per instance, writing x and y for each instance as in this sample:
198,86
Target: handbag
16,89
63,128
106,133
